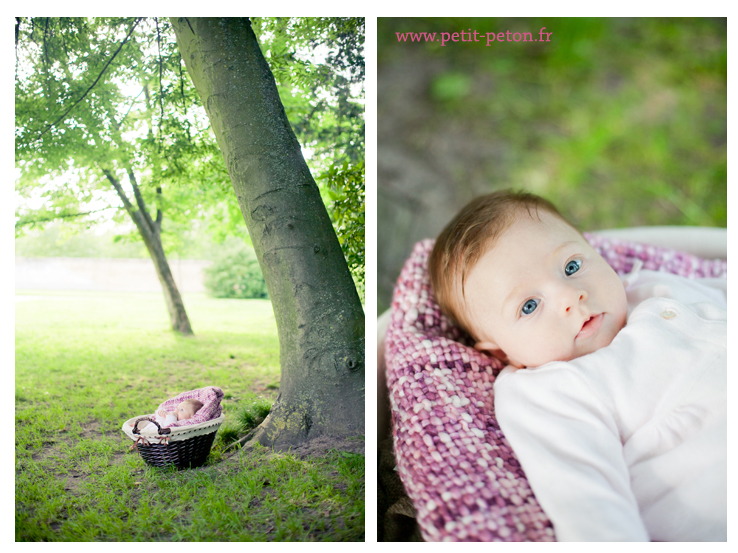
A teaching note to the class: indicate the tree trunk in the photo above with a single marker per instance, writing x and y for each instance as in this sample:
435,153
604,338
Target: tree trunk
319,316
149,231
175,306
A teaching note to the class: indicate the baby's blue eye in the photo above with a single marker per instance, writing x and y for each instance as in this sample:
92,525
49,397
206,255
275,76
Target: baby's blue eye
572,267
529,306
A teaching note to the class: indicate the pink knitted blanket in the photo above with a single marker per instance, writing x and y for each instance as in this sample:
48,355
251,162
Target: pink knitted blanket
458,469
210,397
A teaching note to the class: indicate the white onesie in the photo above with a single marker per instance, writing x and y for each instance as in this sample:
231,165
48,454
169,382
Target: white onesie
629,443
163,422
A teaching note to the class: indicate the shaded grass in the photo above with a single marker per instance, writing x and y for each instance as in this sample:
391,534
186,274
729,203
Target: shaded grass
248,416
251,415
87,363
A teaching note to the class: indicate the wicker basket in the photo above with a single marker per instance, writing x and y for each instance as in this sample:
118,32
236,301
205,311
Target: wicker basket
182,447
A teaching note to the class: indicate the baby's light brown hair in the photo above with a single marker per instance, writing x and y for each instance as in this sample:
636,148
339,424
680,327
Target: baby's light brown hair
471,234
194,404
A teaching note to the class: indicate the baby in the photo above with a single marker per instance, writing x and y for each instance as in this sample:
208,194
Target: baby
183,411
614,397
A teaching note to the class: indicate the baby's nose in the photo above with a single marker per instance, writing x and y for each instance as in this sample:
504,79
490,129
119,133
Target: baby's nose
575,297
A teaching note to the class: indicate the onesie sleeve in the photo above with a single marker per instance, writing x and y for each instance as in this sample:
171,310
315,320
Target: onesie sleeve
570,450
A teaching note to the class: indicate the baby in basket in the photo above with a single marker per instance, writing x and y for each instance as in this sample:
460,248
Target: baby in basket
183,411
614,394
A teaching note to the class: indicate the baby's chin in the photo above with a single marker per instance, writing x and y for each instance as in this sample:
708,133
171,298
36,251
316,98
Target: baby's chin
601,341
605,337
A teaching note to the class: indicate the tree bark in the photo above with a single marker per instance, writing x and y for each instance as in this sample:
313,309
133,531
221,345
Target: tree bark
150,233
319,316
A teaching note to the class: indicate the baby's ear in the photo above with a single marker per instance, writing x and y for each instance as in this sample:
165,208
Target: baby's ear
492,349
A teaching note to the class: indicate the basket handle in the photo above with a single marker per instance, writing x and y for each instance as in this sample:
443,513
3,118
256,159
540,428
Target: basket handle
162,431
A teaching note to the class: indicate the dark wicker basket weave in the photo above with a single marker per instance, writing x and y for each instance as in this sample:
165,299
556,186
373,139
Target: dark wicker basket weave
188,453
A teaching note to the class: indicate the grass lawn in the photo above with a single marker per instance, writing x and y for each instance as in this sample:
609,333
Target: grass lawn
85,362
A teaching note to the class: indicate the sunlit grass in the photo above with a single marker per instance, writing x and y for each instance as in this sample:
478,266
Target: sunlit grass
86,362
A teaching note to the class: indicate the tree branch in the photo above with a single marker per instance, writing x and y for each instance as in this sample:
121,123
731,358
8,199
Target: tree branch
161,92
159,212
181,83
119,190
130,32
133,102
23,222
140,201
17,31
136,216
46,49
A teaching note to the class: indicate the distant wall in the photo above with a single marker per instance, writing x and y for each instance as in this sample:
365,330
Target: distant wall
115,275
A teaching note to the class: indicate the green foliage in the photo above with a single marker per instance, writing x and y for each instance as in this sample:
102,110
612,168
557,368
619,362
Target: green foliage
451,86
113,92
318,63
235,273
620,122
345,186
97,94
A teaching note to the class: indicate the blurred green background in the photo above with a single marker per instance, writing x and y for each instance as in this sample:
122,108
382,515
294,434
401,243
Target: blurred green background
619,122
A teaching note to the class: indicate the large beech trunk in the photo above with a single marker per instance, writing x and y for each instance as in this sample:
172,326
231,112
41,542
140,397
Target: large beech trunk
319,316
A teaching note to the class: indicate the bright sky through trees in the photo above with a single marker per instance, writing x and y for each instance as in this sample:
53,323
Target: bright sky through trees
82,112
106,201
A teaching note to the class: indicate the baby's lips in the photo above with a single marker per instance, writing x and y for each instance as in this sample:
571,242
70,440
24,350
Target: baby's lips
591,326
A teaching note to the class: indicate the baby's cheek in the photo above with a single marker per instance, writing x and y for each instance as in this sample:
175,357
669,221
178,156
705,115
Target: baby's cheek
605,340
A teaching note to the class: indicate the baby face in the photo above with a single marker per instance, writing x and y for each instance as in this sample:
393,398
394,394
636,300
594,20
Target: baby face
184,411
542,293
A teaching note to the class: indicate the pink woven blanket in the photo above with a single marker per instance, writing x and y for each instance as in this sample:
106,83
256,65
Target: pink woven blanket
210,397
456,466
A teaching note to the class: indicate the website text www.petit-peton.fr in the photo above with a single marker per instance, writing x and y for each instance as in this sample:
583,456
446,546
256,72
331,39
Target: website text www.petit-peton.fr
475,36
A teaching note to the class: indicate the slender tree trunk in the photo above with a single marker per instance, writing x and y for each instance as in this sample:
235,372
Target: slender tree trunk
149,231
175,306
319,316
